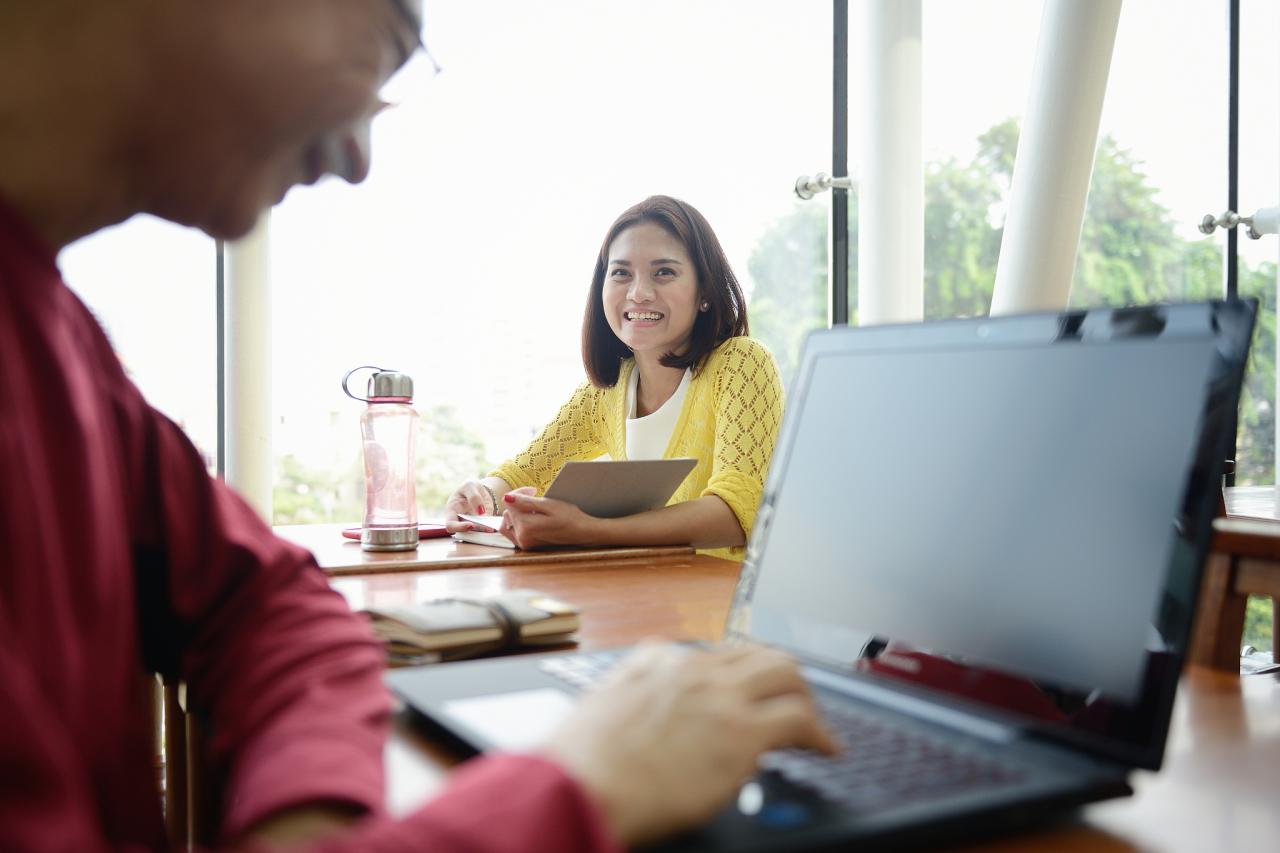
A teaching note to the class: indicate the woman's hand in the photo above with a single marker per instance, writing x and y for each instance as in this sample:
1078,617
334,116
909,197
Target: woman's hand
471,498
534,522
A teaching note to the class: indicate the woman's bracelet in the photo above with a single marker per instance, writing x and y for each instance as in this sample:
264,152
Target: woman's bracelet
492,497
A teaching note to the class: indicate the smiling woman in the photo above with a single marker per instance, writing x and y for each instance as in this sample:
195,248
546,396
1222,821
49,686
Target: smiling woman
671,373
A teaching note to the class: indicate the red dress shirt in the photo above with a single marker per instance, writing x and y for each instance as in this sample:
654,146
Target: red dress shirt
119,552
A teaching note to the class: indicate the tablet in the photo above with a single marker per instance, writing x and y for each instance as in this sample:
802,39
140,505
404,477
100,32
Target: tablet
619,487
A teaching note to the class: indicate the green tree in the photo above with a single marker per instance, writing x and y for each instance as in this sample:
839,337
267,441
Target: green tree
1258,625
1256,442
304,495
1129,253
446,455
789,271
1128,248
789,268
961,244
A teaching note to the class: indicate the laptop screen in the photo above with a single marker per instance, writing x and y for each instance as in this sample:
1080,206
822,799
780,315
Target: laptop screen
1002,512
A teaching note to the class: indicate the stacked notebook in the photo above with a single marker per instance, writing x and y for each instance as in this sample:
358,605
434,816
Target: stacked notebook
487,534
455,628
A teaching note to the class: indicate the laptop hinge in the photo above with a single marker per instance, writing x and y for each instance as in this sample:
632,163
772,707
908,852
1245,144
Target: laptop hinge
918,708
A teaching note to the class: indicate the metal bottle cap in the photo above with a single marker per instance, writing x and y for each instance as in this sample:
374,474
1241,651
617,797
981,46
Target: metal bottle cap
384,385
388,383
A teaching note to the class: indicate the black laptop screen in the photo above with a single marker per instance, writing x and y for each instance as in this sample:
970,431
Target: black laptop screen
1006,512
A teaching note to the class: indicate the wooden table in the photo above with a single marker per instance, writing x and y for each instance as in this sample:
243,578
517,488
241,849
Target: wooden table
339,556
679,597
1251,501
1216,792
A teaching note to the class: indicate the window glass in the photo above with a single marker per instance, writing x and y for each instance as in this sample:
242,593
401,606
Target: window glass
152,286
976,60
1154,173
1161,165
1259,188
465,259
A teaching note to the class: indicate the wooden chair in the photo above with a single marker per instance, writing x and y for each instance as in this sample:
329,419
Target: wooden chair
177,806
190,791
1245,561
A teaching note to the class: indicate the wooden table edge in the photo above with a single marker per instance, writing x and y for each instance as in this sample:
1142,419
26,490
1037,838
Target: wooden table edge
510,559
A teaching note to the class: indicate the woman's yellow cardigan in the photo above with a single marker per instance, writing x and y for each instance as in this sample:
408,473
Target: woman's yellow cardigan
729,423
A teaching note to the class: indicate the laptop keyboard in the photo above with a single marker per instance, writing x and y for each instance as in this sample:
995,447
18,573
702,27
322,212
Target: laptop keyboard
887,764
578,671
884,763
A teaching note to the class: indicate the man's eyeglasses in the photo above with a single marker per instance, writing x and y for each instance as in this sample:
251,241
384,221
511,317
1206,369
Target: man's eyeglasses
414,22
406,13
408,77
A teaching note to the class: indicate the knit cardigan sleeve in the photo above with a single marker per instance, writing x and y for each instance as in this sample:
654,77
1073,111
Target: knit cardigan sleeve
576,433
748,400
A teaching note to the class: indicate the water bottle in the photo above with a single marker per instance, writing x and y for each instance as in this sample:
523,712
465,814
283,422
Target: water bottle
388,426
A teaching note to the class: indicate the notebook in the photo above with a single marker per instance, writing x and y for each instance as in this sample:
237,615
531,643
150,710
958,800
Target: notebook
456,628
993,606
486,532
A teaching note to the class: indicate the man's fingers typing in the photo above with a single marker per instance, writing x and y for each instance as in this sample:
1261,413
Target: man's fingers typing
765,674
648,656
792,721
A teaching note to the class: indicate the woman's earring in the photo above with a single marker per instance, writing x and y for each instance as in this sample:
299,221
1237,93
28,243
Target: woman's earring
704,306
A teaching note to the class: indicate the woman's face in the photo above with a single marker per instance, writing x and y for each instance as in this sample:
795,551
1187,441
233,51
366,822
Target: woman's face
650,290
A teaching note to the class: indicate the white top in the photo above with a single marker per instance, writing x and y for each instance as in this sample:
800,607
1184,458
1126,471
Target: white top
648,437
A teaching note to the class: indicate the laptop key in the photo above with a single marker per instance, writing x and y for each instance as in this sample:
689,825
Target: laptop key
578,671
885,764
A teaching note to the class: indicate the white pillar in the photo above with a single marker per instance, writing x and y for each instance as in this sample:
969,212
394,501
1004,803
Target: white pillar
248,370
1275,449
891,174
1055,156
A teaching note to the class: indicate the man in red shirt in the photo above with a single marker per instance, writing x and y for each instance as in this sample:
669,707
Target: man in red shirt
117,551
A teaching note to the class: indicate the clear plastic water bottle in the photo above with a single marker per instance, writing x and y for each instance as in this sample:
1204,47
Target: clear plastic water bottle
388,426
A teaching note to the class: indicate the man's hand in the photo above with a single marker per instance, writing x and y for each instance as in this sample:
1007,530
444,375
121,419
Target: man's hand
293,827
671,734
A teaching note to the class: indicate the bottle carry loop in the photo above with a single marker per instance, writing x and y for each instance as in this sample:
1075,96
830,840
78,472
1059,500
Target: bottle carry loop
385,386
347,378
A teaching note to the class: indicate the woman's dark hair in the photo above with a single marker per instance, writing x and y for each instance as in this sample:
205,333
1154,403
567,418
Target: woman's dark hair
726,314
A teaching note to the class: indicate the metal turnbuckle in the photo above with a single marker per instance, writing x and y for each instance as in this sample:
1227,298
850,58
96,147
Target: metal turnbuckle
1264,221
807,187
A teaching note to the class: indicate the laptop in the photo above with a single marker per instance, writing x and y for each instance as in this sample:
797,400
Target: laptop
982,539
